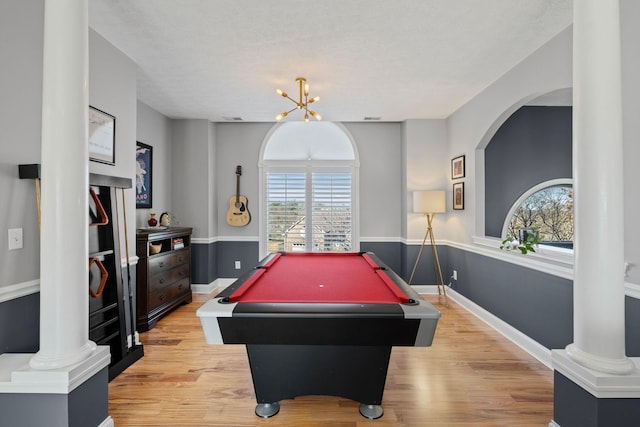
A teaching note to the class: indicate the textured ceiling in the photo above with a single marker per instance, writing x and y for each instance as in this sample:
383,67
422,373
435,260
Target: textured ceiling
397,60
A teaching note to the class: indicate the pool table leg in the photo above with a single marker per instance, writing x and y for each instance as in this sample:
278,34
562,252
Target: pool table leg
373,412
267,410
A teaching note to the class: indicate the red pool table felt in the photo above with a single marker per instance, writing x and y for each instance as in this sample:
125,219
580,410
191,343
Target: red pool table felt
320,277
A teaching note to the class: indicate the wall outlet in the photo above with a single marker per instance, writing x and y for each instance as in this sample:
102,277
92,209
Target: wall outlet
455,274
237,265
15,238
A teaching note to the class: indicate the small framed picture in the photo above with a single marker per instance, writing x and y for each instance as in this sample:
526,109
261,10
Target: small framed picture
144,159
457,167
102,136
458,196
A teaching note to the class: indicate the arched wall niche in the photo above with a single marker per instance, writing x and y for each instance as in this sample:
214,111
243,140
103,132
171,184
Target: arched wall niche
561,97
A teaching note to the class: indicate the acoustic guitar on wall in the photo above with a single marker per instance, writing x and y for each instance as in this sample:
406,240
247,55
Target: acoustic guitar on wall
238,214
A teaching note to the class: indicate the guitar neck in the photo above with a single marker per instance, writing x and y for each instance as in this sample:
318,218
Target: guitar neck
237,188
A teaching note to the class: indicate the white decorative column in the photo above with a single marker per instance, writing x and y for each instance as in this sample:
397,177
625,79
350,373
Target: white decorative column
599,324
64,271
595,383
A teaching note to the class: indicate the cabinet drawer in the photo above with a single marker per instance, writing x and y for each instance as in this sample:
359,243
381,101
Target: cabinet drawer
170,260
167,294
166,277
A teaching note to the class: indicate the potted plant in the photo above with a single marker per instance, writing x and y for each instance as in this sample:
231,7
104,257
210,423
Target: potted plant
528,240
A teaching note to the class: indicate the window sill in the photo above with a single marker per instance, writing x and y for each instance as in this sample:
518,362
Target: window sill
548,259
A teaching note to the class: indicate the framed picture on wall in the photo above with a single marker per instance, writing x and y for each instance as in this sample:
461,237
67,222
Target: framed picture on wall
457,167
458,196
102,137
144,163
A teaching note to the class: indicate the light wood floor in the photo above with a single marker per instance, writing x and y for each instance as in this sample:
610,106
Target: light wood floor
470,376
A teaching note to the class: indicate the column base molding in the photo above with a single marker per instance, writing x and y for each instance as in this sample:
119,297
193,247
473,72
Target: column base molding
621,366
16,375
599,384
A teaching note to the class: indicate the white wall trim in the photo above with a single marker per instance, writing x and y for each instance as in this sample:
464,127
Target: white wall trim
10,292
632,290
553,424
255,239
380,239
203,240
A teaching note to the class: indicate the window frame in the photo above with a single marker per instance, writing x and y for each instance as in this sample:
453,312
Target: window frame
545,250
309,167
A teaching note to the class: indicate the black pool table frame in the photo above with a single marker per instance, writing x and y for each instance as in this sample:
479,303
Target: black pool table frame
298,349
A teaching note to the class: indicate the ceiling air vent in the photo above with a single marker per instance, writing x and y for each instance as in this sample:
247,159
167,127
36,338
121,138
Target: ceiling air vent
371,118
232,119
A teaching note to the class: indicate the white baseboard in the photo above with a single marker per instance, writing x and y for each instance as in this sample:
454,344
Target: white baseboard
108,422
553,424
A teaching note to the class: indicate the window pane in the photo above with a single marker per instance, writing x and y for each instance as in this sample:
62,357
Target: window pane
550,211
286,211
331,211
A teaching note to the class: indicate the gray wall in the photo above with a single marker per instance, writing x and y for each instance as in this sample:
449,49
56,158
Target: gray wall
154,129
531,146
21,33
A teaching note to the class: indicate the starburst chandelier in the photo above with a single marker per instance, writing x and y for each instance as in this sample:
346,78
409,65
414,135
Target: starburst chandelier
302,103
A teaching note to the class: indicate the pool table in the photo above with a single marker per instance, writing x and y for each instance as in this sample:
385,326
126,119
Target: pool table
319,323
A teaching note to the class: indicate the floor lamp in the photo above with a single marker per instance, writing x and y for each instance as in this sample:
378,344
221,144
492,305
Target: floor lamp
429,203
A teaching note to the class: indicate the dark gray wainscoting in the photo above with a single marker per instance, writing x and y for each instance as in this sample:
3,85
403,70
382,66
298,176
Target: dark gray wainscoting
216,260
23,314
204,262
538,304
391,253
632,330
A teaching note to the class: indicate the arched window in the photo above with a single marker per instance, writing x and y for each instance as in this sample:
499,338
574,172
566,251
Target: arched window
309,188
546,208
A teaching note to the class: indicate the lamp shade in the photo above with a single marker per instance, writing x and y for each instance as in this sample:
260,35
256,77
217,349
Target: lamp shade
429,201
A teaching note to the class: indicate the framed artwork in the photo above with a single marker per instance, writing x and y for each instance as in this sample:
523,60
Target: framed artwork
458,196
144,163
457,167
102,137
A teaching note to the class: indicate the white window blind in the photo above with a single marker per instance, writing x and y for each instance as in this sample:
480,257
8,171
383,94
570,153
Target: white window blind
314,217
331,211
286,210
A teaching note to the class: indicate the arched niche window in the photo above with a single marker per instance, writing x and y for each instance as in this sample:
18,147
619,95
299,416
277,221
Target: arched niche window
546,208
309,188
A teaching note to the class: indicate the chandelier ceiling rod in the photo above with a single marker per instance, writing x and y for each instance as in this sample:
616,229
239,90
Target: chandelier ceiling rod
302,103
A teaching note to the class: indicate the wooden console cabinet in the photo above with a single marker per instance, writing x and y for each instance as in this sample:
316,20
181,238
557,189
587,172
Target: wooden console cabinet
164,278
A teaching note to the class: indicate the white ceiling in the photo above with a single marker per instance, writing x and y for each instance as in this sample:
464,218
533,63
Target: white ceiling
397,60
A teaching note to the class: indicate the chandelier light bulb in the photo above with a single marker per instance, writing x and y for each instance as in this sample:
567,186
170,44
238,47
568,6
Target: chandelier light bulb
281,116
314,99
306,90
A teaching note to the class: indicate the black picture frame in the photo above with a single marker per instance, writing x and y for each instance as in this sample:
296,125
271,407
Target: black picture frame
458,196
144,175
102,137
457,167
